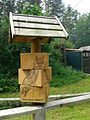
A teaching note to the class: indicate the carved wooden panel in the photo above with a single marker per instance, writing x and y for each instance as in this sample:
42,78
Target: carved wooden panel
34,94
34,61
35,77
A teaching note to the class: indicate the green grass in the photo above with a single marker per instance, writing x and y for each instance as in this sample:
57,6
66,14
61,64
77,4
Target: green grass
79,87
79,111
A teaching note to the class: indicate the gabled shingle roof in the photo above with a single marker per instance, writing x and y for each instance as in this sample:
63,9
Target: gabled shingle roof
24,28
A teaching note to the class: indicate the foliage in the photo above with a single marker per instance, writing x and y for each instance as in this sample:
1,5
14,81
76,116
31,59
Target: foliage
31,9
4,32
69,44
8,84
55,7
66,75
70,18
9,58
55,56
28,4
83,31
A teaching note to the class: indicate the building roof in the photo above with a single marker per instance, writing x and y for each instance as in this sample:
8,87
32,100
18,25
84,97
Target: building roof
85,48
24,28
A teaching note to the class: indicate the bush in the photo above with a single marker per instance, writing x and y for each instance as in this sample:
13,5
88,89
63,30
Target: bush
8,84
67,75
10,58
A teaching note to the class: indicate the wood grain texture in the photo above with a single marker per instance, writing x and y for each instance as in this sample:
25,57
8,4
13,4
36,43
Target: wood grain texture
28,39
36,46
34,94
11,25
37,78
38,32
35,19
24,27
36,26
34,61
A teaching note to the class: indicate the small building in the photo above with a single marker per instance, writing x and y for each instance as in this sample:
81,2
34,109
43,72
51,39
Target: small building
79,58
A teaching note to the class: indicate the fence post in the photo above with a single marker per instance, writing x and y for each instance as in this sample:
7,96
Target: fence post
40,115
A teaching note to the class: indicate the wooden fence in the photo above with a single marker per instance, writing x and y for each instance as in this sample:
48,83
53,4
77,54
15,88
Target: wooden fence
39,112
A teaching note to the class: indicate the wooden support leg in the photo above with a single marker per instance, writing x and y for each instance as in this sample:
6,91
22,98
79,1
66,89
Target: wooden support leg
35,46
40,115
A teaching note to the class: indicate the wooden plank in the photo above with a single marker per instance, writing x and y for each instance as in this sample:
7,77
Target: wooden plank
50,17
36,46
36,25
40,115
66,34
20,39
27,39
14,112
9,99
30,110
11,25
37,32
35,19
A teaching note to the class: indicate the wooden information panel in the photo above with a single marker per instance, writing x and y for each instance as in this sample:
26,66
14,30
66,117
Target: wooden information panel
34,77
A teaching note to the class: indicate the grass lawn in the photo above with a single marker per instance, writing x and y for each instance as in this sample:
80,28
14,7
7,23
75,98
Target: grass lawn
79,111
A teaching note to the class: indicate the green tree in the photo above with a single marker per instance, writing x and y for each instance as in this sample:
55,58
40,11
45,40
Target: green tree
20,4
70,18
31,9
55,7
83,31
38,2
6,6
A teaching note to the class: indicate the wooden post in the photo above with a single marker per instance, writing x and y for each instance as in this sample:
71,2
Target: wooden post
35,46
40,115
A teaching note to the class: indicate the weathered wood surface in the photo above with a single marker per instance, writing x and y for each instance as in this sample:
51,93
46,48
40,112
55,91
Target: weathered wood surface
35,16
36,25
11,24
38,32
9,99
26,27
34,61
40,115
32,110
64,30
35,19
57,97
37,78
21,39
34,94
36,46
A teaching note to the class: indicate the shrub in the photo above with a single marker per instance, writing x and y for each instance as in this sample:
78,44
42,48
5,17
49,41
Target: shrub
67,75
8,84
